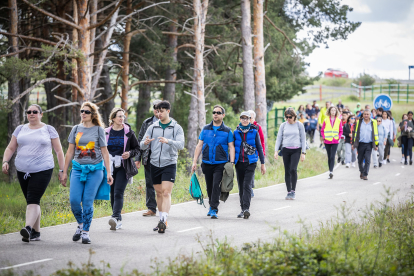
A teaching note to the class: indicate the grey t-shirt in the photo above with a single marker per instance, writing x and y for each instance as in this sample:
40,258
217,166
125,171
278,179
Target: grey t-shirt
34,150
88,143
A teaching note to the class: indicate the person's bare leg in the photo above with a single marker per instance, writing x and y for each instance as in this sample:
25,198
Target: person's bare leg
36,225
158,191
167,187
32,215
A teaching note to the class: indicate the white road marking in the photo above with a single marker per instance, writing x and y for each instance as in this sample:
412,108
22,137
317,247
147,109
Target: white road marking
376,183
394,160
281,208
397,174
342,193
29,263
189,229
402,167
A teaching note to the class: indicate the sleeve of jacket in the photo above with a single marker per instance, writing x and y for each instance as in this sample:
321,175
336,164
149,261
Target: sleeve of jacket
323,131
135,148
147,133
178,144
302,137
262,140
279,137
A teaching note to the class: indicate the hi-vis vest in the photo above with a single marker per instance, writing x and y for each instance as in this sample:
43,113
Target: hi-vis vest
331,132
375,124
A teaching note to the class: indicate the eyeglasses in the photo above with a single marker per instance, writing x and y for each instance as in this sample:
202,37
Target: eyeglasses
244,119
121,116
217,112
86,111
379,121
352,118
30,112
288,117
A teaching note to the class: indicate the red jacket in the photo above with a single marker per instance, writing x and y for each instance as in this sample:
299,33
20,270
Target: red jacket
262,138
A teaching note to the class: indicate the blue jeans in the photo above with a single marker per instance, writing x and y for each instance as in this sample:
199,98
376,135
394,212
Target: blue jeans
84,192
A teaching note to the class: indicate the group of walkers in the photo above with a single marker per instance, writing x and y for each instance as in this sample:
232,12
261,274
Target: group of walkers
104,160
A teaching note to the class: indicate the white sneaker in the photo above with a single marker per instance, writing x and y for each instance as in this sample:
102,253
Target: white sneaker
402,160
118,224
353,164
384,162
347,165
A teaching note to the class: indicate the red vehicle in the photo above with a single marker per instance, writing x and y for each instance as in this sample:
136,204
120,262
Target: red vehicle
335,73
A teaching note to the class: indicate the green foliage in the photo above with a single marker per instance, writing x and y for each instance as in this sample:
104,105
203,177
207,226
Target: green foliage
392,81
365,79
20,68
339,82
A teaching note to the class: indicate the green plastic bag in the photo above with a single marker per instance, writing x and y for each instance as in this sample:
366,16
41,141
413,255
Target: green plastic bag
195,190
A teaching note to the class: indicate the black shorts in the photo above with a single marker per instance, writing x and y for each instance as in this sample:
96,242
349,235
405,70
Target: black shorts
34,186
166,173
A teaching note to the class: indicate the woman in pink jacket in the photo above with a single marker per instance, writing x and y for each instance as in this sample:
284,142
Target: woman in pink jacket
331,134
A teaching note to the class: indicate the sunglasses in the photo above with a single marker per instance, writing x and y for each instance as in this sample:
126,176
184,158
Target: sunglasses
86,111
288,117
30,112
217,112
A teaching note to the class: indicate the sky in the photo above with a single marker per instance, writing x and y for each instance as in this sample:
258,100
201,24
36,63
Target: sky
383,45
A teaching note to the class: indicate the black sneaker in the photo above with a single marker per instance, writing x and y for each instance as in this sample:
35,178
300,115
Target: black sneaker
380,164
25,232
161,227
388,161
339,160
77,234
34,235
405,163
85,239
241,215
343,162
330,175
246,214
411,162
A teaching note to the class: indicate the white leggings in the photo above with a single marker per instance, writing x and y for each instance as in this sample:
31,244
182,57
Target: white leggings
349,153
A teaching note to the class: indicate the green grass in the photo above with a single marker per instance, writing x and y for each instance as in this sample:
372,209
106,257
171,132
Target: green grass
56,208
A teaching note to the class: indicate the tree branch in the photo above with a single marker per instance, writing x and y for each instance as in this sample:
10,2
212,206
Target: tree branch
30,38
156,81
61,105
48,80
116,90
107,18
21,51
64,21
274,25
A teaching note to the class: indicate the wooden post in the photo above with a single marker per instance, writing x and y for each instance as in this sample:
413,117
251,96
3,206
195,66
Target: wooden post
360,89
364,93
320,92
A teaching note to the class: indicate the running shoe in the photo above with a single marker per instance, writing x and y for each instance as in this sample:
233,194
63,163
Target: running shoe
388,160
34,235
339,160
246,214
77,234
25,232
112,222
330,175
353,164
292,195
241,215
347,165
411,162
209,212
156,227
343,162
375,166
161,227
288,196
405,163
402,160
380,164
214,214
85,238
118,224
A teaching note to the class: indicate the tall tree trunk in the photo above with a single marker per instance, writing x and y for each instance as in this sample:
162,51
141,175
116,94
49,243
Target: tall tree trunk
248,76
84,38
144,103
75,78
200,14
170,74
192,121
13,118
259,73
105,82
125,59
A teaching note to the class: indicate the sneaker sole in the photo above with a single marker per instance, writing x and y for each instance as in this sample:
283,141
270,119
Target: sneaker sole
161,227
246,215
86,241
214,217
113,224
152,215
25,234
35,239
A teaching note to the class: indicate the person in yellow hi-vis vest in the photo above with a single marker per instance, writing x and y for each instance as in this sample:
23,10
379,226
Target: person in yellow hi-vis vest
365,138
322,117
331,133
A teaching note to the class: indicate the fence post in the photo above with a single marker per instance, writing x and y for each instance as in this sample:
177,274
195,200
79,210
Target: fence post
389,89
380,88
372,92
360,90
320,92
407,91
364,93
276,115
398,91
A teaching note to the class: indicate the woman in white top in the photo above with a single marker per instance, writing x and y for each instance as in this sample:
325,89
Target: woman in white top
34,163
388,124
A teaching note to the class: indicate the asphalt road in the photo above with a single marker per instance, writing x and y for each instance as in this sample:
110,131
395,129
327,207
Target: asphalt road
136,246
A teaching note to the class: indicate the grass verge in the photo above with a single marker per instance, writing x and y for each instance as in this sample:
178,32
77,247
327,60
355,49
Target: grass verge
56,207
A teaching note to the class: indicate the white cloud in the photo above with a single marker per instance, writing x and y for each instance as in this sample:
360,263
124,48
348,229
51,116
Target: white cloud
378,47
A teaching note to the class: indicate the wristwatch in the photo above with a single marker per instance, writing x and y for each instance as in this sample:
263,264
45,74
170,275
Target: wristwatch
60,170
304,153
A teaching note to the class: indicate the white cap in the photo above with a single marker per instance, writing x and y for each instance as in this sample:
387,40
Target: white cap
245,113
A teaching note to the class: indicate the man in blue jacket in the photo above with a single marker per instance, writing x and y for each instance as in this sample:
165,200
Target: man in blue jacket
217,144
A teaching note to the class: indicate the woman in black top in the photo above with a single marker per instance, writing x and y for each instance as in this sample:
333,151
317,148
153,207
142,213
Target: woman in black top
350,155
123,146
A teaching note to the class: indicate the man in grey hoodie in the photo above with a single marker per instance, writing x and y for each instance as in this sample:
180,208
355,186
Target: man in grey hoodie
166,138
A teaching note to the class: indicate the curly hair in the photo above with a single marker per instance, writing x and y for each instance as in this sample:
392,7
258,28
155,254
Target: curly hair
96,116
113,114
328,112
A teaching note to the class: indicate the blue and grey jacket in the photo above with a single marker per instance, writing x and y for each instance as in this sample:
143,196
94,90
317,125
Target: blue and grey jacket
215,147
253,139
162,154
